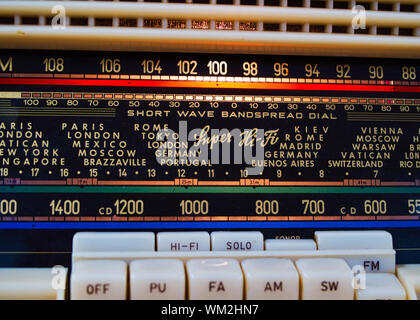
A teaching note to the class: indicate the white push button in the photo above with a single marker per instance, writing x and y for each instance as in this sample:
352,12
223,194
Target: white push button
325,279
237,240
214,279
409,275
157,279
290,244
270,279
98,280
33,283
183,241
380,286
371,239
113,241
384,262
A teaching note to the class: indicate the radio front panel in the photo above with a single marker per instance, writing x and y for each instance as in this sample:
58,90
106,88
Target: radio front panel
161,141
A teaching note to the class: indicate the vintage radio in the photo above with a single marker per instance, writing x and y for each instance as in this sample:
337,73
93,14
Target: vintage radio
210,149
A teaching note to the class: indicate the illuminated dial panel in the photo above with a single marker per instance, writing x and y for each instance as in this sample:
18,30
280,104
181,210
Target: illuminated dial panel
287,145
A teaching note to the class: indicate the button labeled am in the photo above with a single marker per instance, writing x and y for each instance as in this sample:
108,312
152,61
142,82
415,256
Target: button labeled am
270,279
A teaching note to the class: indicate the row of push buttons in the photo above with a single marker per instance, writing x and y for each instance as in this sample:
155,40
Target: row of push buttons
221,265
232,265
227,241
220,279
373,249
170,241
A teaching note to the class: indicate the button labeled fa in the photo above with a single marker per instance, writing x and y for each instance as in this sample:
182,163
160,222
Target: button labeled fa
214,279
216,286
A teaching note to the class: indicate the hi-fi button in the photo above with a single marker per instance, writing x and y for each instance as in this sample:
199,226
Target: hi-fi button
183,241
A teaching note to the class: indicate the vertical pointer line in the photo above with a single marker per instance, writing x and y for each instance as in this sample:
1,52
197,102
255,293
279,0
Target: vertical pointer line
214,85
